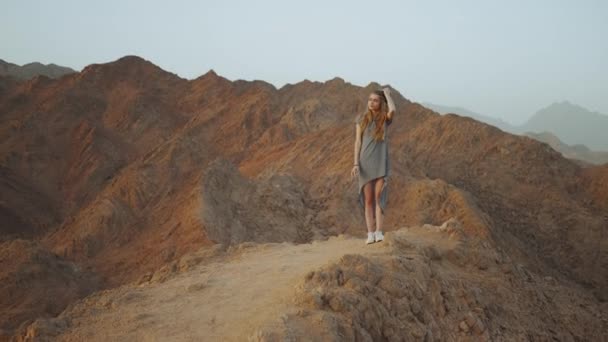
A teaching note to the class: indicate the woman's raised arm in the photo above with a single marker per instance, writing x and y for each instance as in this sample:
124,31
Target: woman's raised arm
391,103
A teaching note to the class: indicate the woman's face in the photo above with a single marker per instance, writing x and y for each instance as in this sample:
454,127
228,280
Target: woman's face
374,102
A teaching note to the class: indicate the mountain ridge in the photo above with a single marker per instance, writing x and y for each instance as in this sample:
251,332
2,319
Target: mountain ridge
145,161
30,70
557,119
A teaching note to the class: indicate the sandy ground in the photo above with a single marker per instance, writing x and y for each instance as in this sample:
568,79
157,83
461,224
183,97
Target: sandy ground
223,300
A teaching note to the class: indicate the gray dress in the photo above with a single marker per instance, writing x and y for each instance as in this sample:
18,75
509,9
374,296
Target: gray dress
373,162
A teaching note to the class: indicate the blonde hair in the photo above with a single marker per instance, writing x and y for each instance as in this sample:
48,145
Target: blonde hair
380,119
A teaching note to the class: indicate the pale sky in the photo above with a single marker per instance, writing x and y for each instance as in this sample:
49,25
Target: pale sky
505,59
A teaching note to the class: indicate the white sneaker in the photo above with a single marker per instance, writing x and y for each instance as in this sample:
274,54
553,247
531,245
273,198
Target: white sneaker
370,238
378,235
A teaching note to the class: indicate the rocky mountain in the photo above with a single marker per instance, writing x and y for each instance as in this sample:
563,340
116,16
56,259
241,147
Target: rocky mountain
30,70
421,283
130,183
580,131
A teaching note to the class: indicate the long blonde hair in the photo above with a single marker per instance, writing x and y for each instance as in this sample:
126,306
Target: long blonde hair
380,118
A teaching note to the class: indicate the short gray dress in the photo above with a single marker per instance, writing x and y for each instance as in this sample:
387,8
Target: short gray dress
373,162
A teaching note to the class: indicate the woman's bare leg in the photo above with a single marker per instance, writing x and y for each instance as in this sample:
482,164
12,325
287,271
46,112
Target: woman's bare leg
378,191
369,205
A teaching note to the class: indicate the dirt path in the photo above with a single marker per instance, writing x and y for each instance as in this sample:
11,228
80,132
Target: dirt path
419,282
224,300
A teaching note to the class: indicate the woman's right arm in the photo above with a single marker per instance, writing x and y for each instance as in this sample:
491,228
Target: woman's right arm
357,144
355,171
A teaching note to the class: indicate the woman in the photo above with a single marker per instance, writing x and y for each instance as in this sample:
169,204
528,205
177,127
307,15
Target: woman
372,165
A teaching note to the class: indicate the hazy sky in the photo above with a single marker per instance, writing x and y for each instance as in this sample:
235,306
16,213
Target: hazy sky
505,59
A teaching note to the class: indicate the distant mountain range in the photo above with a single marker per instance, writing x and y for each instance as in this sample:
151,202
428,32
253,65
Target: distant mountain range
581,133
578,152
27,71
505,126
572,123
